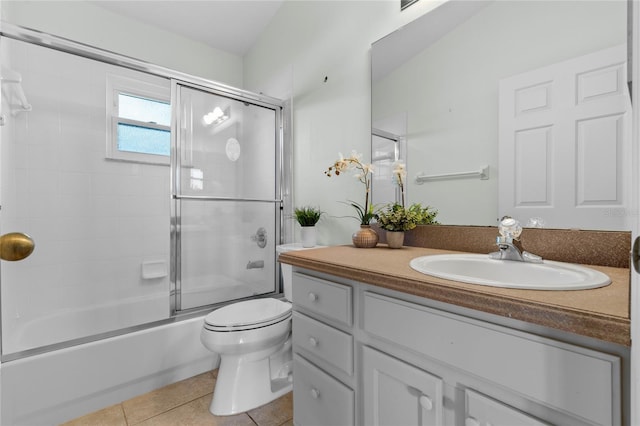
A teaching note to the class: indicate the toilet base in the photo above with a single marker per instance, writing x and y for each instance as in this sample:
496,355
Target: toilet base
248,381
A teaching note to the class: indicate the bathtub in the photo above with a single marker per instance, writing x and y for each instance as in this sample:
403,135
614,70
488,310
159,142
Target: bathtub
66,325
61,385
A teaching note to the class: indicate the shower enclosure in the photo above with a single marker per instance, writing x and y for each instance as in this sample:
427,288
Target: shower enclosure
151,195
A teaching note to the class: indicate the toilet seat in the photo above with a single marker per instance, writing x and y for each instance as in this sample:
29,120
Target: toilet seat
248,315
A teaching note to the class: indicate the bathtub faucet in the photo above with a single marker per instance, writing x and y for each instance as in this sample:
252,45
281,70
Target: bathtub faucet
255,264
509,245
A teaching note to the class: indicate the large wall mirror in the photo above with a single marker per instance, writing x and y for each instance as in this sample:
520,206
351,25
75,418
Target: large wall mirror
508,107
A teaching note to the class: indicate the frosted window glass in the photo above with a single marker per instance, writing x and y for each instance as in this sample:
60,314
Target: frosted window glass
145,110
144,140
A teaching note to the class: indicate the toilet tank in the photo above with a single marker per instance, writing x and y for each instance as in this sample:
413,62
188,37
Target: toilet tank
287,270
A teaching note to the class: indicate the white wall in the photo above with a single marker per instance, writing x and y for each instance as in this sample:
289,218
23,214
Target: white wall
306,42
90,24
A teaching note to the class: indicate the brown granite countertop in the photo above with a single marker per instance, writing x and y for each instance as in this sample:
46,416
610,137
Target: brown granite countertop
601,313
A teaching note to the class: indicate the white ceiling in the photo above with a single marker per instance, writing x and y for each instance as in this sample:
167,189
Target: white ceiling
229,25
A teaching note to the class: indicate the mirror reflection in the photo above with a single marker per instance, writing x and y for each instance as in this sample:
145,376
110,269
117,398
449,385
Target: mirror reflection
516,108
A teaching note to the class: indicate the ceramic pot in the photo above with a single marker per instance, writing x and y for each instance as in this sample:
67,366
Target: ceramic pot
308,236
395,239
365,237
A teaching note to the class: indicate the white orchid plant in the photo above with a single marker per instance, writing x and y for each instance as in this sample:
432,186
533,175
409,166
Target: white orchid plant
395,217
363,172
399,175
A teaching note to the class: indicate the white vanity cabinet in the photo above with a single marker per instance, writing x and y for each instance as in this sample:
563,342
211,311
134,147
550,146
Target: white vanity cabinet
398,393
323,345
564,382
390,358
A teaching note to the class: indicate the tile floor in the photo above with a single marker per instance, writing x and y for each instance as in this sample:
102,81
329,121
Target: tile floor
185,403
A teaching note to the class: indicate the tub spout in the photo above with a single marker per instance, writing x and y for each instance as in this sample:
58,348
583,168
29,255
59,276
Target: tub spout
255,264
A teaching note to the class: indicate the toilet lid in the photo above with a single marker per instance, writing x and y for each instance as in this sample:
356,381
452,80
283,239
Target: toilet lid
248,314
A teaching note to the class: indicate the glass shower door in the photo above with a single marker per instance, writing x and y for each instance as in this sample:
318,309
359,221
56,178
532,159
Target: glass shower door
98,224
226,197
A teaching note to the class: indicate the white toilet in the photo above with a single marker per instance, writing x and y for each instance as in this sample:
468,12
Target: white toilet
253,339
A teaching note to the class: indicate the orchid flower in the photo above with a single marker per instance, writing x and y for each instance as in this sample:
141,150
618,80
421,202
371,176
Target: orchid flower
363,174
399,175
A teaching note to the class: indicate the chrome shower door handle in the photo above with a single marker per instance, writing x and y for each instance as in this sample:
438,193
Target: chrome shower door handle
16,246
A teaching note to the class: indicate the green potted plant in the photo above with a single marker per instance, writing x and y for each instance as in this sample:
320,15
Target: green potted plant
424,215
396,219
307,218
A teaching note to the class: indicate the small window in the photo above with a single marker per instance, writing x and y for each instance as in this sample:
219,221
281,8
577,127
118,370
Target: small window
140,122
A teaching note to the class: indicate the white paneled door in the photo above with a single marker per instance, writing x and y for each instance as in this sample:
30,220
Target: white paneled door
565,143
635,275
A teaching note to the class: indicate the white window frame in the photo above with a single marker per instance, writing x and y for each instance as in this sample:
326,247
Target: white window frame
117,85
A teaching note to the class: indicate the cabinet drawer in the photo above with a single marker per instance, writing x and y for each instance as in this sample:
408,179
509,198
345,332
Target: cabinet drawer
568,378
322,297
323,341
319,398
483,411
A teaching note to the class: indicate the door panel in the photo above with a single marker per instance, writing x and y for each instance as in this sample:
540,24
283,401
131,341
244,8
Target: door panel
565,143
222,257
233,156
634,409
226,197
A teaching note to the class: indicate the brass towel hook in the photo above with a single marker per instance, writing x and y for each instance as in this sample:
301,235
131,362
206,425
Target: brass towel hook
16,246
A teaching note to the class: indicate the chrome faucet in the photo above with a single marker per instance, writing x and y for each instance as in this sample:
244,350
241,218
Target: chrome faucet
509,245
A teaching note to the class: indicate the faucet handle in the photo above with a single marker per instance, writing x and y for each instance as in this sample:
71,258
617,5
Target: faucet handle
510,228
530,257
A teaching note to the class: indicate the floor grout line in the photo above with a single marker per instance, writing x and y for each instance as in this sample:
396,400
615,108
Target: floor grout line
168,410
262,418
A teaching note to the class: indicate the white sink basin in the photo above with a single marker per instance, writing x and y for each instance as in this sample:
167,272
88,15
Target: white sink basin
480,269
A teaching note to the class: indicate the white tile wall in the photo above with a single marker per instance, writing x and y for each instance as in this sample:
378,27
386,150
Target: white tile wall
94,221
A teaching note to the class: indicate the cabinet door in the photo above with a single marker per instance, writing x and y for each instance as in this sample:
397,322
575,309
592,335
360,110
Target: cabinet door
398,394
483,411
